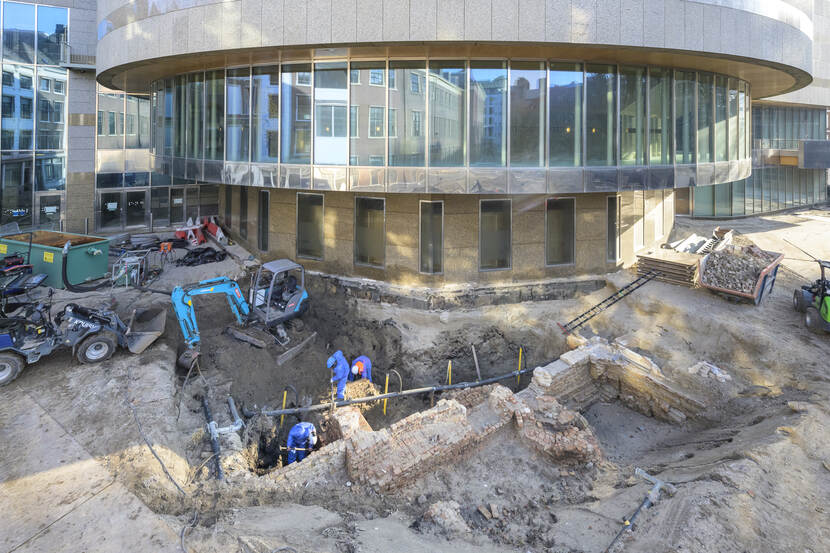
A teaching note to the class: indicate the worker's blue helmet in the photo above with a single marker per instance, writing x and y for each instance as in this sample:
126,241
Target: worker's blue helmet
330,363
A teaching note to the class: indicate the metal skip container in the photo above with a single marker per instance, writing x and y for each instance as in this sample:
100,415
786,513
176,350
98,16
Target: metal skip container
88,257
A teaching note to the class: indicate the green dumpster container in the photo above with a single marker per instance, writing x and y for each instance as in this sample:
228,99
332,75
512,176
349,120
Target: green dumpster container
88,257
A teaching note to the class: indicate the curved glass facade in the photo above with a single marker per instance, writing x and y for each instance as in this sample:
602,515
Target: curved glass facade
452,126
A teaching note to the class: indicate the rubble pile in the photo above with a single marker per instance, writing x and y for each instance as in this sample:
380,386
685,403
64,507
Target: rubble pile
736,269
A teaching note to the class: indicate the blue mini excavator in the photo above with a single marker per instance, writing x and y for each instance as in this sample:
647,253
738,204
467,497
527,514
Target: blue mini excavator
277,294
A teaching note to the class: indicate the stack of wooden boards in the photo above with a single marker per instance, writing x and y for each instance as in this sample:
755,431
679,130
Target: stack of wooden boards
674,267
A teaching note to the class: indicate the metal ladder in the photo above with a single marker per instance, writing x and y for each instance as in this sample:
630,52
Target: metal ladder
626,290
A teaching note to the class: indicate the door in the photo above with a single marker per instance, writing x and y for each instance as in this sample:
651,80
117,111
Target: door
136,208
49,212
192,204
111,211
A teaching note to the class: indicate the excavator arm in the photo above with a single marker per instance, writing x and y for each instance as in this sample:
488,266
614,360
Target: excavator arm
182,298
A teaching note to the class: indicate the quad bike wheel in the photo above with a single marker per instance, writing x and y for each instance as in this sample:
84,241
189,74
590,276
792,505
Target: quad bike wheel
11,366
812,319
96,348
798,302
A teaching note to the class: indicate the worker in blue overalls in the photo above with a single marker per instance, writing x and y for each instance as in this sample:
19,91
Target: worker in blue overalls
361,368
301,440
340,368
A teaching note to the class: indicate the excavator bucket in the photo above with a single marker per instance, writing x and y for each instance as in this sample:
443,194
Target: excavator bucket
145,326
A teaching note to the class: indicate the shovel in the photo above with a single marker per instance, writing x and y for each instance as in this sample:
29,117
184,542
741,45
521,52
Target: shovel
145,326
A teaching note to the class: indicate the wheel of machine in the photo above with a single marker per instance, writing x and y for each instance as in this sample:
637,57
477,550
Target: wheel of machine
11,366
798,301
96,348
812,319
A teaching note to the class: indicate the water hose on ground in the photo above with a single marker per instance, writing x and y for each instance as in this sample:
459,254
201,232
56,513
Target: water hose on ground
214,437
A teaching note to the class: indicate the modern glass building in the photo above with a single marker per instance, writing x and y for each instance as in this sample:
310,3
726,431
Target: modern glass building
417,142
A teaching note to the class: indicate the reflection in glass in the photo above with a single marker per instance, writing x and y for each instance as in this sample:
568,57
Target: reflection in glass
51,122
559,231
600,109
407,106
180,121
705,118
721,113
331,96
18,107
135,211
137,122
50,171
215,114
494,235
49,212
488,114
195,115
18,32
177,205
742,130
168,117
208,200
613,228
296,113
733,120
51,32
160,206
369,231
368,114
447,82
110,217
238,119
632,115
310,225
527,114
432,237
684,90
16,195
660,123
565,114
266,114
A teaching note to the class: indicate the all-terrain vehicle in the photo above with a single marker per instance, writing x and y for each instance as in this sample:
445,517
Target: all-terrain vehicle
93,334
814,301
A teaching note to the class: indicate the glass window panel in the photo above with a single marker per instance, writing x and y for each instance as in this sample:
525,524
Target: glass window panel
559,231
180,121
660,116
432,237
49,212
632,115
195,115
176,205
600,109
296,110
18,32
51,32
494,244
705,117
16,196
136,129
368,98
262,220
685,117
704,201
721,113
723,199
51,127
110,216
310,225
18,107
50,171
160,206
612,226
266,114
488,113
215,114
370,231
109,180
565,91
733,119
136,179
238,117
331,96
527,114
135,208
408,105
447,86
739,197
741,153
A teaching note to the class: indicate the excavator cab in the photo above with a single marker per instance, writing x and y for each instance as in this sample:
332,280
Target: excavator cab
278,292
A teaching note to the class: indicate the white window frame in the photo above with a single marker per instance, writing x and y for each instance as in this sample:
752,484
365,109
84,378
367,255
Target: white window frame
383,77
383,121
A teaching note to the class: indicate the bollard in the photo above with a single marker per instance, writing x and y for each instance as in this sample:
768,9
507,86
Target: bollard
519,376
449,372
385,391
284,396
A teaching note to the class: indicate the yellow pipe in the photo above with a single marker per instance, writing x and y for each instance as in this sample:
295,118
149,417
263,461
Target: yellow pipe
519,376
385,390
284,396
449,371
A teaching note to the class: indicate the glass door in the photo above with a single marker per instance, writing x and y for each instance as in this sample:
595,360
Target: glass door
192,203
111,207
136,211
160,206
48,212
176,205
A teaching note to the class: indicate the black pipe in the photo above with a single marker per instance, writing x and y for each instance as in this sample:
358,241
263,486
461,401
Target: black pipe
404,393
214,438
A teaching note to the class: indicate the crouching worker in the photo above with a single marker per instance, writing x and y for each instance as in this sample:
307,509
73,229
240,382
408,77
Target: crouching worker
301,440
340,366
361,368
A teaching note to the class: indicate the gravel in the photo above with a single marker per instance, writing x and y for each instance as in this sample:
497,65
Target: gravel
736,270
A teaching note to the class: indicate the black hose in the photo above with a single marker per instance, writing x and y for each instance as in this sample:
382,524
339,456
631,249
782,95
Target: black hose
73,287
214,439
